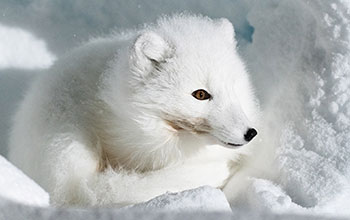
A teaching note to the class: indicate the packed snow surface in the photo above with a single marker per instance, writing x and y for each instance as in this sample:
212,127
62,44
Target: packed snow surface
16,186
298,54
205,199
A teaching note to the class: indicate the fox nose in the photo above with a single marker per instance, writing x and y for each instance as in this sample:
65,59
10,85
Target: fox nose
251,133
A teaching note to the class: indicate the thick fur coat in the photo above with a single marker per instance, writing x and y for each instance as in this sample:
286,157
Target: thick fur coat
125,118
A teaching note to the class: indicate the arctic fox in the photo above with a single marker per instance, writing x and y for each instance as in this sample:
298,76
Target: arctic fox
125,118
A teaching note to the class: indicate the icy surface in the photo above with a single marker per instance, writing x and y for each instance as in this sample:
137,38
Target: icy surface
297,52
16,186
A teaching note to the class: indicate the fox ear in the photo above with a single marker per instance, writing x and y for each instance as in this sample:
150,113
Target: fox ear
149,50
227,28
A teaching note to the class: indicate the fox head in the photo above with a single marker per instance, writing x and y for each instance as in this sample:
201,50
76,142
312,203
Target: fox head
192,78
182,82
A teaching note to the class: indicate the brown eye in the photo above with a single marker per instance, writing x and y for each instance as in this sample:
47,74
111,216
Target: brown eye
201,94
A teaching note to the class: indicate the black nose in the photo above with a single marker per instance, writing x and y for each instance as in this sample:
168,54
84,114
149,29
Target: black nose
251,133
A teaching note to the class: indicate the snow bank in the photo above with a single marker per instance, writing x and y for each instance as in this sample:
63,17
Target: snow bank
300,59
17,187
20,49
15,211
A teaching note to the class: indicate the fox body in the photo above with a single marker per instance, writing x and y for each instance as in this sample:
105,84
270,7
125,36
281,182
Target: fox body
125,118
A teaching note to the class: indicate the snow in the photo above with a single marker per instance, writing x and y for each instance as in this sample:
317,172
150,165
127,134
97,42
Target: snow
20,49
266,195
298,54
11,210
16,186
203,198
304,62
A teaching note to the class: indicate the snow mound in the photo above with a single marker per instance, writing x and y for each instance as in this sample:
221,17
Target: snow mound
300,59
14,211
265,195
205,199
16,186
20,49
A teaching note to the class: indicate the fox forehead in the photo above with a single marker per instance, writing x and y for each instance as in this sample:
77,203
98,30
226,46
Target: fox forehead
211,80
203,69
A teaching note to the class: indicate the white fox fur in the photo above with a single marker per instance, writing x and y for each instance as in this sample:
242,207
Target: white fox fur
114,122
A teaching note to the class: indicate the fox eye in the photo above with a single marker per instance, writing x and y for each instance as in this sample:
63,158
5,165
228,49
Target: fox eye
201,94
